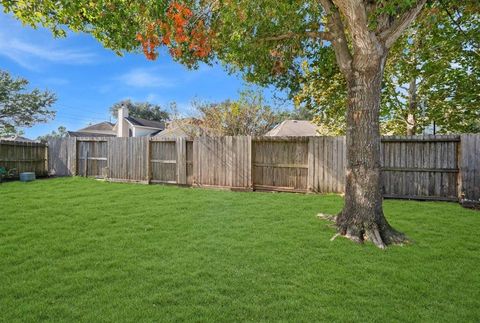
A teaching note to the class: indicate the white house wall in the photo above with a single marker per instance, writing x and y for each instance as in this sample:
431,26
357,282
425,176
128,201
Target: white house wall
142,132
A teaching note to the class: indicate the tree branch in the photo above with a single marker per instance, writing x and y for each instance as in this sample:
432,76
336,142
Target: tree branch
339,38
355,13
309,34
390,35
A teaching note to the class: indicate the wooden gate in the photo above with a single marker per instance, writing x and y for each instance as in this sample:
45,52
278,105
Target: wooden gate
163,161
280,163
171,161
420,167
92,157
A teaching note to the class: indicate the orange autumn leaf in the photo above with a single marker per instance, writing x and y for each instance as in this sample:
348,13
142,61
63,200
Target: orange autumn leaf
176,32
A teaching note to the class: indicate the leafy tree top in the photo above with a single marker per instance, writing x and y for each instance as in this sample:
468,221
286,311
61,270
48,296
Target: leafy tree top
20,107
144,110
263,38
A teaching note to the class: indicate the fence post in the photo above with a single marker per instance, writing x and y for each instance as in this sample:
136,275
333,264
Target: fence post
72,156
311,164
149,158
46,159
250,162
195,161
181,148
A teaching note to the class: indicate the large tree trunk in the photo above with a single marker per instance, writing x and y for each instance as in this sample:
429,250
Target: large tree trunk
362,216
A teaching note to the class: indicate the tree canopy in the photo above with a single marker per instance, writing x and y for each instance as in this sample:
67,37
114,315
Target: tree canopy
247,116
61,132
20,107
266,40
144,110
432,75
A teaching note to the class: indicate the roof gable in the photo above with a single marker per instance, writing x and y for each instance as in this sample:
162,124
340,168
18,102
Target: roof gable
102,126
146,123
89,134
294,128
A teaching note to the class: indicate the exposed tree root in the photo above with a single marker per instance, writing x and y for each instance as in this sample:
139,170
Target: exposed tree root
380,234
334,236
328,217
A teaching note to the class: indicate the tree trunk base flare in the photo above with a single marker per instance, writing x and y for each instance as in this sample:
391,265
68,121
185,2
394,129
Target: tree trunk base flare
380,234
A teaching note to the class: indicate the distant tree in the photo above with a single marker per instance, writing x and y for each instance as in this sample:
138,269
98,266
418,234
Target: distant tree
144,110
20,107
60,133
249,115
301,113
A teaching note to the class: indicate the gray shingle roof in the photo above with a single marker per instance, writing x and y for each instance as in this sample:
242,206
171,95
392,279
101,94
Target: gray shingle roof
146,123
89,134
17,138
293,128
102,126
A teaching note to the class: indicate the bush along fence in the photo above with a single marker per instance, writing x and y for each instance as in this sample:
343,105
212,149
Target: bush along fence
443,167
18,157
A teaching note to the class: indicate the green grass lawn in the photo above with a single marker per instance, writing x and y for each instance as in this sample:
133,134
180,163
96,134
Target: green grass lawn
84,250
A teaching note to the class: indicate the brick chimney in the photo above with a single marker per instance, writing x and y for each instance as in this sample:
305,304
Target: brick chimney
122,128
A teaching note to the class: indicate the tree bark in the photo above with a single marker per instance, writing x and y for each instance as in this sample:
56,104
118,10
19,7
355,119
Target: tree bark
412,108
362,216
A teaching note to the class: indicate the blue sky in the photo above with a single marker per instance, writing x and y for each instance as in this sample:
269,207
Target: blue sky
88,79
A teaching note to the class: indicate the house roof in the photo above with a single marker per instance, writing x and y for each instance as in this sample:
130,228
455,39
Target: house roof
177,132
293,128
182,128
146,123
17,138
102,126
89,134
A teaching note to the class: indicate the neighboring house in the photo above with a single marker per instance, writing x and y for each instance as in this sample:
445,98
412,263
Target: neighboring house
183,128
102,129
126,126
17,138
290,128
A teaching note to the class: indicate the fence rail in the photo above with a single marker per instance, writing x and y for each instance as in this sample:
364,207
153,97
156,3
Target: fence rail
416,167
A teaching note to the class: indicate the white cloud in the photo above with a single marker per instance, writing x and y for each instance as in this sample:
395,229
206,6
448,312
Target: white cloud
28,54
143,78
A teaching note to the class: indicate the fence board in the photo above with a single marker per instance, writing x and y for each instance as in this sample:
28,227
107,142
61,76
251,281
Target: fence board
181,147
24,157
420,167
222,161
328,164
469,161
62,155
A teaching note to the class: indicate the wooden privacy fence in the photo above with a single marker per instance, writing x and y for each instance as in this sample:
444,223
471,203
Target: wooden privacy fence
24,157
426,167
416,167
